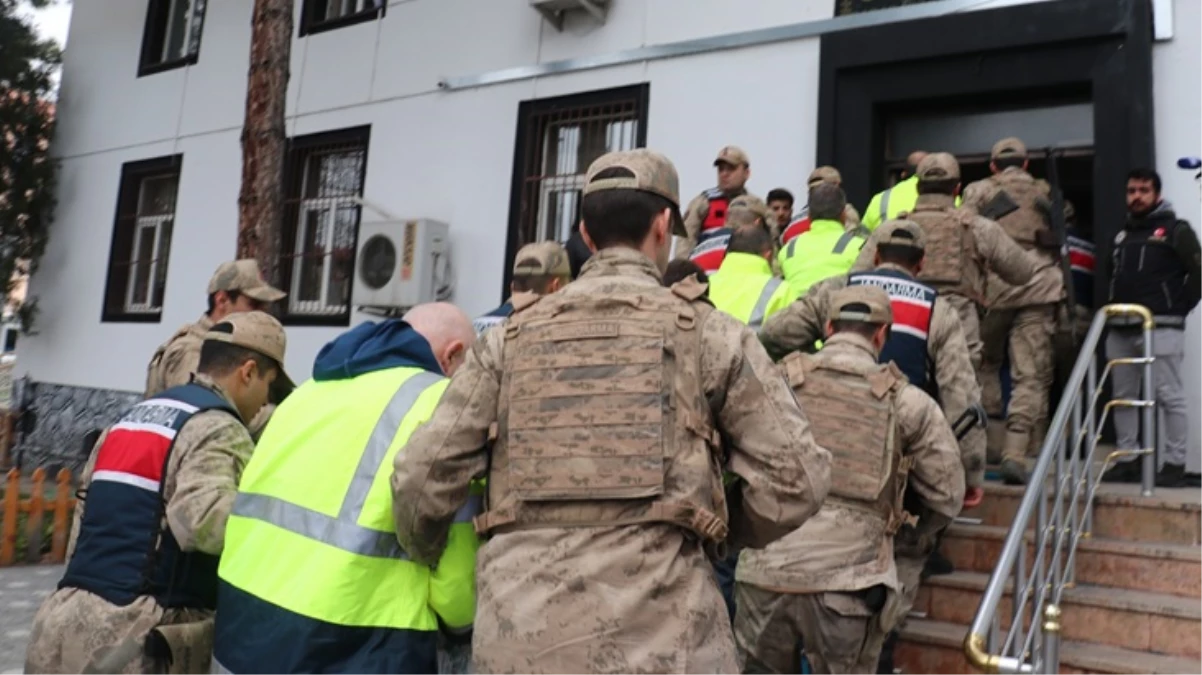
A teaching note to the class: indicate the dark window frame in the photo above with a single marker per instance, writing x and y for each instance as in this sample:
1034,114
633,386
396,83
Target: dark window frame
309,24
113,309
300,148
153,36
529,143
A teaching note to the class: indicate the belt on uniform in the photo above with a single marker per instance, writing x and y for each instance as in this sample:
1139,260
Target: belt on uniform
1177,322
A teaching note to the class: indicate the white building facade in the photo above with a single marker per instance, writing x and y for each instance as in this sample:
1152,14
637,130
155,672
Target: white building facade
483,114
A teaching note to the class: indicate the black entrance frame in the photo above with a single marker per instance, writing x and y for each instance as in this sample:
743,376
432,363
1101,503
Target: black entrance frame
1086,49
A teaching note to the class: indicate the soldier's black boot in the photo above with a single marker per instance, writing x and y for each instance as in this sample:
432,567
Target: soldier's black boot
1170,476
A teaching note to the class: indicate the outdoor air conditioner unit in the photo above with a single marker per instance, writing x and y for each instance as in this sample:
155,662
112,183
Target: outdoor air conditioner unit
402,263
554,10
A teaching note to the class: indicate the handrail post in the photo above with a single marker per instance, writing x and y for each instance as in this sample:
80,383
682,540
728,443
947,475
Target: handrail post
1051,631
1148,473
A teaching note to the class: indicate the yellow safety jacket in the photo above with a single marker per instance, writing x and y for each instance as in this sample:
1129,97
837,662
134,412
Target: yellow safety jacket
745,288
311,555
823,252
888,204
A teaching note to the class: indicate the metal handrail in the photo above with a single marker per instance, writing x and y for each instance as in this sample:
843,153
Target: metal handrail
1065,486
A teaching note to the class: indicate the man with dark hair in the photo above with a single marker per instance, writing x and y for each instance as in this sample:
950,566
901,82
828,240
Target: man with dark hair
538,269
140,587
707,212
780,202
827,249
1021,317
597,416
1155,263
830,587
236,286
744,286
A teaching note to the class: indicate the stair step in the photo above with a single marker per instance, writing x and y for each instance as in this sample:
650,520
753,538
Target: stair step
937,647
1170,515
1138,620
1173,569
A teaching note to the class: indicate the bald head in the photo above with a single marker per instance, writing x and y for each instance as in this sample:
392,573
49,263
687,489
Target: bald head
913,160
447,329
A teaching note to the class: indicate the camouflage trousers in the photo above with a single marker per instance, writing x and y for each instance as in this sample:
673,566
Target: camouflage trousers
838,632
1026,333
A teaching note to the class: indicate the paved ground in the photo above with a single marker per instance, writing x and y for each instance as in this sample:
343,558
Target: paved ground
21,592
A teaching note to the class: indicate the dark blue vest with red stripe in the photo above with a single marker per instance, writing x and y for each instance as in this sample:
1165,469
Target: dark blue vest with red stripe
912,302
1082,261
711,249
124,549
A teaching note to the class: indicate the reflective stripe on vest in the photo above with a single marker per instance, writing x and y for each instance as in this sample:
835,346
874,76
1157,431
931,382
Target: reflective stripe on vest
761,305
344,531
841,245
885,204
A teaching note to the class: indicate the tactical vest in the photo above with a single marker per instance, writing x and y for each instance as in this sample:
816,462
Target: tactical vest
715,215
1025,223
951,260
1148,271
125,548
711,250
908,346
854,416
603,419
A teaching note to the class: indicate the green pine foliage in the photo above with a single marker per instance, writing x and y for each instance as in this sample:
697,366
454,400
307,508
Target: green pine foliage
27,171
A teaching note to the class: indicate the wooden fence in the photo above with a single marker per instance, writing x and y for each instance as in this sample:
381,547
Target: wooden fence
25,542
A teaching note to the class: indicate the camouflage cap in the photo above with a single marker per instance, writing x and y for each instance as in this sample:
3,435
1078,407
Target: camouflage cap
901,232
745,210
732,155
244,276
651,172
1008,147
938,166
874,298
256,331
545,258
824,174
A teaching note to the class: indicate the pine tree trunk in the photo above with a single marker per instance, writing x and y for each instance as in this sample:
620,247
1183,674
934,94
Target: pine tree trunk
261,199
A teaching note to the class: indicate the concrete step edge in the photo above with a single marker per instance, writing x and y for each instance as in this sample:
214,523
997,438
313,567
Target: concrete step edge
1142,549
1175,499
1084,655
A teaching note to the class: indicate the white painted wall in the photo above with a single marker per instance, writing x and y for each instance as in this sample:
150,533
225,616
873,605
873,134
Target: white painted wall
438,154
1177,99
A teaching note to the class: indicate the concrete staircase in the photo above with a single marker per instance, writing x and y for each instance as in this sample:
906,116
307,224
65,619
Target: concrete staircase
1137,606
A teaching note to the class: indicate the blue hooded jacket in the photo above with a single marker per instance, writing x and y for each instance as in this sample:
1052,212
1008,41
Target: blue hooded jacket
373,346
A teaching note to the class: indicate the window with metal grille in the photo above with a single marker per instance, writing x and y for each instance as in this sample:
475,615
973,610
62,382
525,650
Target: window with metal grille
171,38
322,15
557,139
137,269
325,179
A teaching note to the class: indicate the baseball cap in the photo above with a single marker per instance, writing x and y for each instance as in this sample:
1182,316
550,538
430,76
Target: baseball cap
844,305
938,166
733,155
744,210
245,277
544,258
824,174
901,232
1008,147
256,331
650,172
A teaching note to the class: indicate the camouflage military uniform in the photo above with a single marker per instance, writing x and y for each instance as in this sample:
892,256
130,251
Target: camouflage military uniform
694,215
76,630
957,265
801,324
1020,317
544,602
831,584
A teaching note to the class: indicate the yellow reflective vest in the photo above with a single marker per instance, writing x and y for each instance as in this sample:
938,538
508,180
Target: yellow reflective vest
823,252
745,288
312,534
888,204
